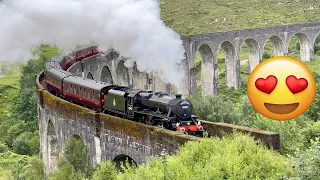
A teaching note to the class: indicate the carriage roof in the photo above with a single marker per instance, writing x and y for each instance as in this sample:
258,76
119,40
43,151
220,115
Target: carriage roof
84,82
57,73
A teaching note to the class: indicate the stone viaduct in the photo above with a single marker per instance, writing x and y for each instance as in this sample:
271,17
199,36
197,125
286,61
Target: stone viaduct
110,138
110,67
115,139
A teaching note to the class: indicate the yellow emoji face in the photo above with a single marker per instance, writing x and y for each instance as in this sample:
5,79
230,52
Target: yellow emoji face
281,88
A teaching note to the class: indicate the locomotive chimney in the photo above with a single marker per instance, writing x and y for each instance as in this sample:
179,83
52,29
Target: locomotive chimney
178,96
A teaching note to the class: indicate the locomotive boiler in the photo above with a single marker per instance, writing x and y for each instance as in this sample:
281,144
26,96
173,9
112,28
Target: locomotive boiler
163,103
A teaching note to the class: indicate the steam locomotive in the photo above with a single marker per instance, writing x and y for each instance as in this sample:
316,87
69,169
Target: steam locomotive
154,108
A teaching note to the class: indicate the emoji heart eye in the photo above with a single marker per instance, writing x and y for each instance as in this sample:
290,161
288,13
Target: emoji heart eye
296,85
266,85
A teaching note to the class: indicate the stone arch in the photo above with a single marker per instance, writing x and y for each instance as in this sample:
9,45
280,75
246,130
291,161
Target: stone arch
277,44
253,53
229,54
122,74
52,147
122,158
304,48
89,76
139,79
207,71
106,75
316,48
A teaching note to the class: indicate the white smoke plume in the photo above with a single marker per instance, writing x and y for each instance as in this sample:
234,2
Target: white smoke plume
131,27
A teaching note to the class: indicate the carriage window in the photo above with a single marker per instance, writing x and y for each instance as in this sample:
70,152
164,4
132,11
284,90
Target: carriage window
93,95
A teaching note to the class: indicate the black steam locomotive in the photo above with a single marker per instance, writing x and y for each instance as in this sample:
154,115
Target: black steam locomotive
154,108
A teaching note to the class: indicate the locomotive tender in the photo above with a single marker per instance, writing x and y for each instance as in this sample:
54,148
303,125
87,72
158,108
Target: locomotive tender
154,108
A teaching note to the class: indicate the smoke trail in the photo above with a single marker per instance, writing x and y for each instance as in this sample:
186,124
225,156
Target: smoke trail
132,27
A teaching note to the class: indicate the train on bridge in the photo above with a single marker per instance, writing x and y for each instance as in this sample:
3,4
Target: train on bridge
154,108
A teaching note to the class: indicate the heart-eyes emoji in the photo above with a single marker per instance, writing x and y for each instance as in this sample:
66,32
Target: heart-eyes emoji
281,88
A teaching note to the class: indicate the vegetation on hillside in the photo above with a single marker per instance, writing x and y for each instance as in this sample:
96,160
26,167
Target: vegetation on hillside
19,136
189,17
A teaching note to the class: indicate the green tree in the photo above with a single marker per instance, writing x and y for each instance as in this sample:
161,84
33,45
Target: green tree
314,111
26,143
76,154
34,170
25,103
105,171
3,148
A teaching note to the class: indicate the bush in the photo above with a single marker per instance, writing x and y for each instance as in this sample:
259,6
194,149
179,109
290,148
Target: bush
105,171
314,110
291,137
27,143
311,133
34,170
66,172
234,157
76,154
3,148
221,60
215,109
307,162
267,55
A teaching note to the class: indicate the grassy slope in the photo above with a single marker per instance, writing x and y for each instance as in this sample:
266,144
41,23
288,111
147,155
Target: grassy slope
189,17
9,88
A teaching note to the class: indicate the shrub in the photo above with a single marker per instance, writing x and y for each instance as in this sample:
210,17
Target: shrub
105,171
234,157
215,109
3,148
76,154
21,145
221,60
291,136
267,55
27,143
311,133
34,170
307,162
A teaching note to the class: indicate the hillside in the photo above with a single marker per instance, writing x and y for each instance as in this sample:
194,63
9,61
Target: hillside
189,17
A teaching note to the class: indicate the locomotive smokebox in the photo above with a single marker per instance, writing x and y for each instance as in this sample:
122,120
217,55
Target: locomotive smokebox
178,96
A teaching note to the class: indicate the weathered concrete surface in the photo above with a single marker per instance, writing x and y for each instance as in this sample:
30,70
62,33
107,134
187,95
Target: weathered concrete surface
269,139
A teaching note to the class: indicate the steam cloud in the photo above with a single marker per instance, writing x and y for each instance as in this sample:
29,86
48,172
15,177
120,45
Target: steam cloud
132,27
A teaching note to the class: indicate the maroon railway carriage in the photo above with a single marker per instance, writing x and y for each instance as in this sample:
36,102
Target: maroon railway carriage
79,54
53,79
85,91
